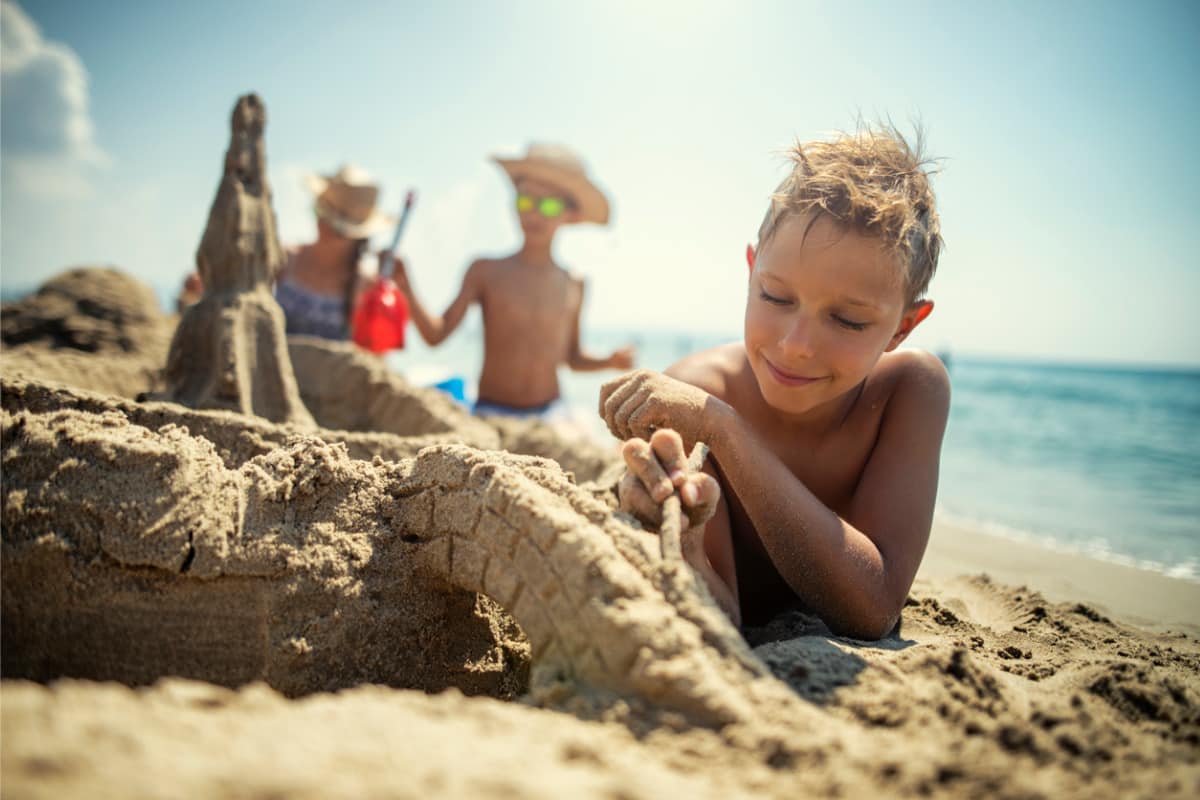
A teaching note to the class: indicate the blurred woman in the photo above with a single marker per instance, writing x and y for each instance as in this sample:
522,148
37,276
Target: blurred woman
319,282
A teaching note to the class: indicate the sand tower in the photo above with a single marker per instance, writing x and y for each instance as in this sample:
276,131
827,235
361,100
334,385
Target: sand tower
230,350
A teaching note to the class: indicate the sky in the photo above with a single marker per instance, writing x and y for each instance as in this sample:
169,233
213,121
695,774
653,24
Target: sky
1066,133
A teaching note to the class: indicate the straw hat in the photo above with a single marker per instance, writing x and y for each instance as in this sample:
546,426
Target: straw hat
346,200
559,166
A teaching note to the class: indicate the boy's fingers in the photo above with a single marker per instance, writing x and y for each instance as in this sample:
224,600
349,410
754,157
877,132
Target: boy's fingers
646,417
610,404
627,382
641,462
635,500
700,496
625,418
668,447
607,388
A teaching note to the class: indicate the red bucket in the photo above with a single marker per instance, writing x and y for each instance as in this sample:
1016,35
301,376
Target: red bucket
380,317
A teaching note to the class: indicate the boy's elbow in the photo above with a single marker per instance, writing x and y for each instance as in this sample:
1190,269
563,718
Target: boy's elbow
434,334
576,360
880,626
871,622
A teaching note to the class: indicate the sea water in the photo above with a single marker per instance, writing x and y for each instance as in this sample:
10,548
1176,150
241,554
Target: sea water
1103,461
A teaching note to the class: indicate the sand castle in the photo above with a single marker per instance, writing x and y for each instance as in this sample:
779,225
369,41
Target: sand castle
229,350
385,538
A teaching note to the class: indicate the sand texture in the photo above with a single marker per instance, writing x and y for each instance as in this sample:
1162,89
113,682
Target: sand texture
951,708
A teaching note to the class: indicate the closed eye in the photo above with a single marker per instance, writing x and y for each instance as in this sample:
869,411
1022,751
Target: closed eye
772,299
849,323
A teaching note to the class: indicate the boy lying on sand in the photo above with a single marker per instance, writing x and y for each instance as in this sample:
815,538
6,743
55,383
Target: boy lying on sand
824,440
530,304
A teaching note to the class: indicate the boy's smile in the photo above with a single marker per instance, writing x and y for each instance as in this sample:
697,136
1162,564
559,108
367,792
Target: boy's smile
786,378
824,304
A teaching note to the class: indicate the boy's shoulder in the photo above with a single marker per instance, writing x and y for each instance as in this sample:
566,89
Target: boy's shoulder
494,264
485,263
485,269
913,374
714,370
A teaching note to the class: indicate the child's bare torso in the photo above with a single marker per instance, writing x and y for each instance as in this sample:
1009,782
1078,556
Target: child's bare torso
529,314
828,458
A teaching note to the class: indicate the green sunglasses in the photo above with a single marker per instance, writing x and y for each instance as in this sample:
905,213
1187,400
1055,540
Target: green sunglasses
549,207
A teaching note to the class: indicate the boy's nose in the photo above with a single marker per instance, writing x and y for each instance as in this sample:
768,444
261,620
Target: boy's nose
797,340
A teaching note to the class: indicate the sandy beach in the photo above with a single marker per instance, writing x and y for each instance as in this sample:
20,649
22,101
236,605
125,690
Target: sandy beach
1141,597
325,644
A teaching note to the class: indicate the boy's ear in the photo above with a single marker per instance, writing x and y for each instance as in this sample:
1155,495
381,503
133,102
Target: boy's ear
750,256
915,315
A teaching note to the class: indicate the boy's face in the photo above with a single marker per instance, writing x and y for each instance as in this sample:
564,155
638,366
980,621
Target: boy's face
822,308
542,208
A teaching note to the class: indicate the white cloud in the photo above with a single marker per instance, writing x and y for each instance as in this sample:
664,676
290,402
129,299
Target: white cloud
47,139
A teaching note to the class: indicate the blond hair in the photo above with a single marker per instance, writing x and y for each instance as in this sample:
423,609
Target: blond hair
871,182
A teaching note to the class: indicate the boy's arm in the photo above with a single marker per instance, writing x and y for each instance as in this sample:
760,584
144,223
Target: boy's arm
582,362
855,572
435,329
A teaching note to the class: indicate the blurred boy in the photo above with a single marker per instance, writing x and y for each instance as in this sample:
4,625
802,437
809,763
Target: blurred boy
824,439
530,304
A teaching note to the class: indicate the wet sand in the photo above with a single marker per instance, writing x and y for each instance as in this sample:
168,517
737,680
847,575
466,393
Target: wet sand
1141,597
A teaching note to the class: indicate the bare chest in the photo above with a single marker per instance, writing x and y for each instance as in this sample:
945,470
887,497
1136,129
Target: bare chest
529,306
829,465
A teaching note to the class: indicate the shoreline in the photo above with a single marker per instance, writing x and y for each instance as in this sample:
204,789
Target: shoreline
1145,598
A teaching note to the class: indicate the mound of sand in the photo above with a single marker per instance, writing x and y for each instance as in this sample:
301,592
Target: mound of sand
55,333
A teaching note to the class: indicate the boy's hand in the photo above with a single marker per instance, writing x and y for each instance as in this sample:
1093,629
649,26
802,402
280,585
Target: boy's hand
655,469
399,272
623,358
637,404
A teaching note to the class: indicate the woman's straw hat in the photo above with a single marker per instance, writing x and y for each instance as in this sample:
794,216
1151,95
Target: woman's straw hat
559,166
347,199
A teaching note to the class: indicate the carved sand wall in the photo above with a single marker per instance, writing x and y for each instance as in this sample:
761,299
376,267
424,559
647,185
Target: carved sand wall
130,554
347,388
